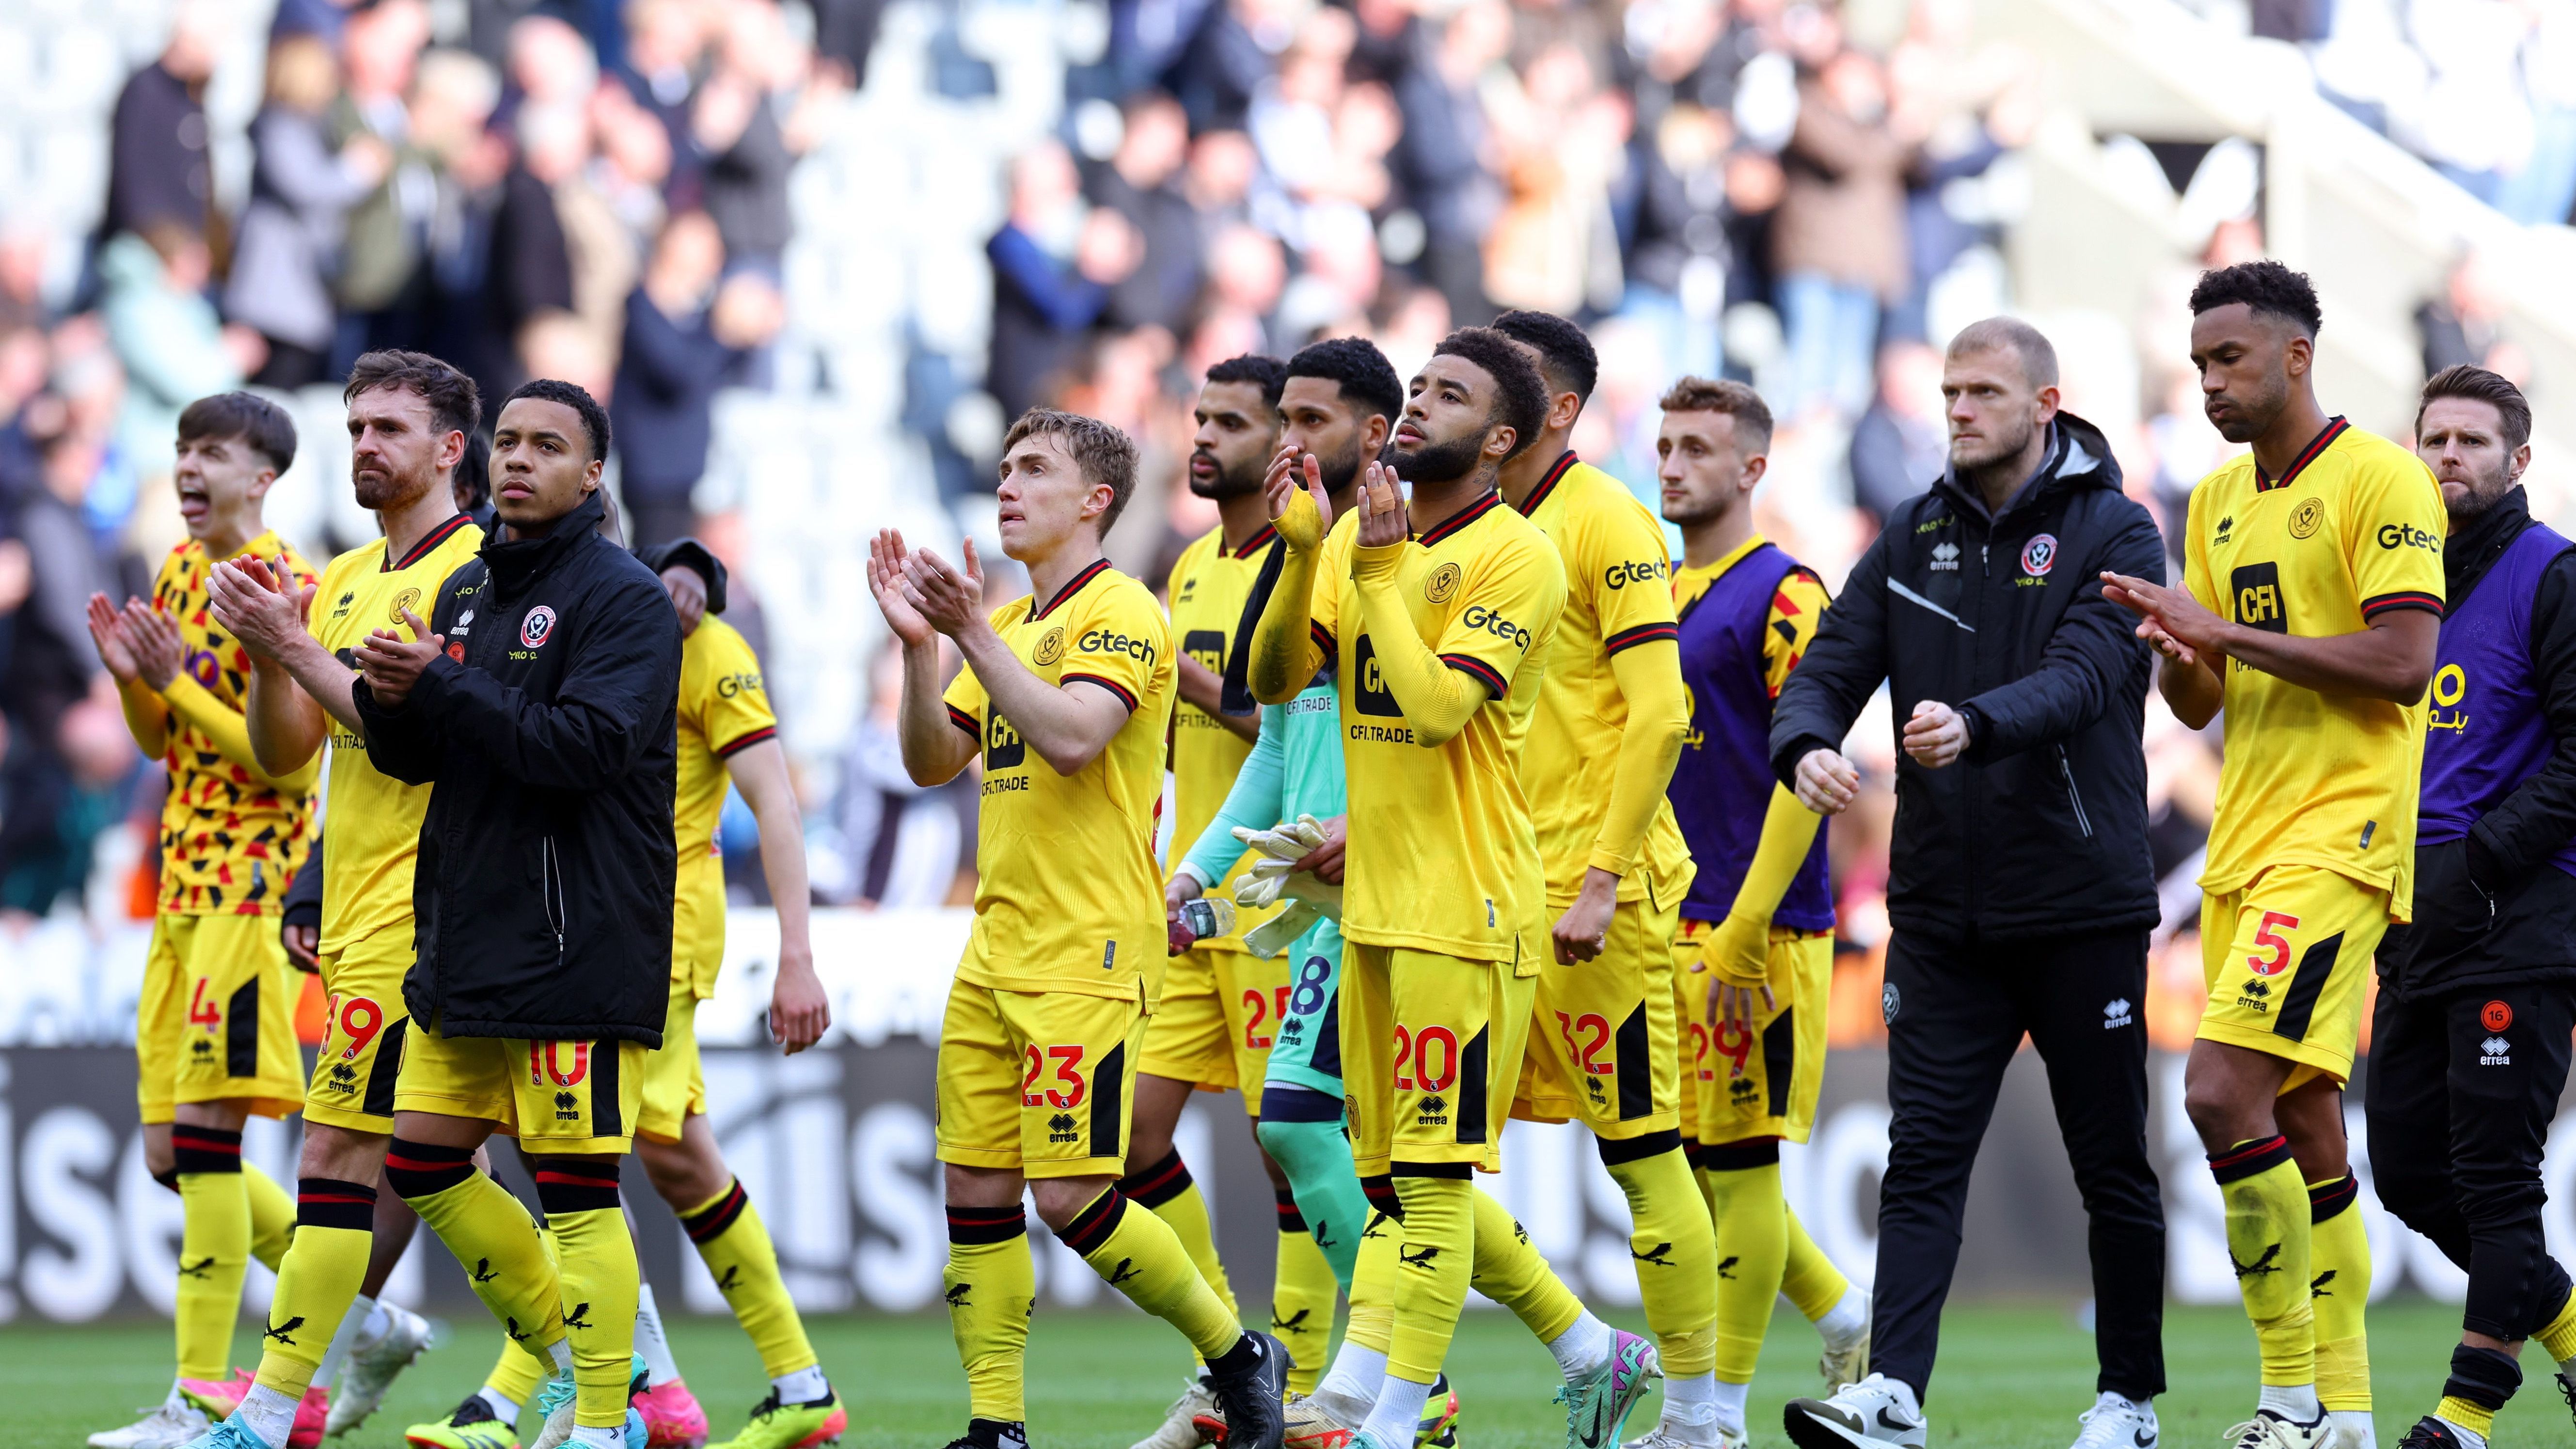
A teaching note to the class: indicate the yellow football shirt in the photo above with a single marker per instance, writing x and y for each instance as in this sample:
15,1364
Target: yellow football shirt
1443,855
1797,606
1209,585
1617,598
231,840
1067,895
2351,531
371,833
723,709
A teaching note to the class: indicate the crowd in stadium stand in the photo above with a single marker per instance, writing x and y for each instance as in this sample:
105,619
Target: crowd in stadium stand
1804,196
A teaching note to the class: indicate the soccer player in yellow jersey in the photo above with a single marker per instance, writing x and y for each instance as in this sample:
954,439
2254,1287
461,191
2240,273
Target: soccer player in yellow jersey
2310,613
409,420
1611,714
1757,925
1437,614
1066,695
1222,1005
214,1031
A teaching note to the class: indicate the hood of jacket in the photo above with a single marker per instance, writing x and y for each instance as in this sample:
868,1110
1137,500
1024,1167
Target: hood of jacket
695,556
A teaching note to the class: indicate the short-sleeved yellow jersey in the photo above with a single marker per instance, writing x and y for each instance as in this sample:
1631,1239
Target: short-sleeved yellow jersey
723,708
1617,598
1068,897
2353,529
231,841
371,828
1209,585
1443,855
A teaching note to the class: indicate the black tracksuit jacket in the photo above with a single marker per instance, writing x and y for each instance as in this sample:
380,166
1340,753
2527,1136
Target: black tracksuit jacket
2040,828
542,900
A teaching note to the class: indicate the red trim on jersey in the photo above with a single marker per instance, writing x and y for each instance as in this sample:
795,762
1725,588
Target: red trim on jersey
1475,668
2379,604
2335,427
1642,634
966,722
746,741
1097,567
1556,471
1259,540
1460,519
1113,686
420,550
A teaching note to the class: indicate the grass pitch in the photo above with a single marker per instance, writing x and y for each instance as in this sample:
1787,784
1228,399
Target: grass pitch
2010,1378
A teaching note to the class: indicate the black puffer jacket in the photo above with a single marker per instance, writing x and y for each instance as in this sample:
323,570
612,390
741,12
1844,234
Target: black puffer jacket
2041,827
543,894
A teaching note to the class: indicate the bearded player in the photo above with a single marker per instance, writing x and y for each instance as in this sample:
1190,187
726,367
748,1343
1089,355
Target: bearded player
2310,616
1432,610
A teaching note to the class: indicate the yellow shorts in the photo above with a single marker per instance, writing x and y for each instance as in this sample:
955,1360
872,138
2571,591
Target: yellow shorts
554,1096
1431,1051
2284,960
1763,1083
1214,1022
216,1020
1041,1082
675,1082
360,1060
1604,1047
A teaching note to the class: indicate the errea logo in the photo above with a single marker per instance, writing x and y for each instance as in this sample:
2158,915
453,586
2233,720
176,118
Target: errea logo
2116,1013
2497,1052
1945,557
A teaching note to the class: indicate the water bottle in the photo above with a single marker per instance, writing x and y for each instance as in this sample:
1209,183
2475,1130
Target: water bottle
1201,918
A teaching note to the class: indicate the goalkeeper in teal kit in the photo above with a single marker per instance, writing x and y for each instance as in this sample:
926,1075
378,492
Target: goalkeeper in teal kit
1338,406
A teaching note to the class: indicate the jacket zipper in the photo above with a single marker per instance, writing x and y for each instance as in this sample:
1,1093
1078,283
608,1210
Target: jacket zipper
554,897
2073,796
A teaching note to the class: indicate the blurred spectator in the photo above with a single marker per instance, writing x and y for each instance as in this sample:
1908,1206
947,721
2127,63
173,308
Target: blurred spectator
683,332
1054,262
158,162
1564,138
290,233
528,273
2465,323
1838,240
1439,162
1141,184
173,347
23,247
2542,192
599,251
1899,447
735,122
663,41
384,235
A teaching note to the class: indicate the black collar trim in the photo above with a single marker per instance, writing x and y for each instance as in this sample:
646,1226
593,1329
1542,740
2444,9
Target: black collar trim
1556,472
1098,567
1462,518
421,550
2316,447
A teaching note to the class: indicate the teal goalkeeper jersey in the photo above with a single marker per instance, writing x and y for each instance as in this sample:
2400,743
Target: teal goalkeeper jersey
1295,768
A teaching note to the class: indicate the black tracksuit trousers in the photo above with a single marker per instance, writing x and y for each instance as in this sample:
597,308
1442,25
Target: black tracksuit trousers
2462,1087
1955,1016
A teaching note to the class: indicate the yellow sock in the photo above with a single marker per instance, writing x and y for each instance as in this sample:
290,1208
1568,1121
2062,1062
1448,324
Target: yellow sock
1511,1272
1676,1256
2267,1242
2558,1336
2339,1290
600,1281
1372,1320
517,1373
322,1272
2478,1419
1752,1253
737,1250
490,1234
1432,1271
1168,1192
1141,1257
991,1285
272,1217
1302,1295
1809,1278
214,1248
